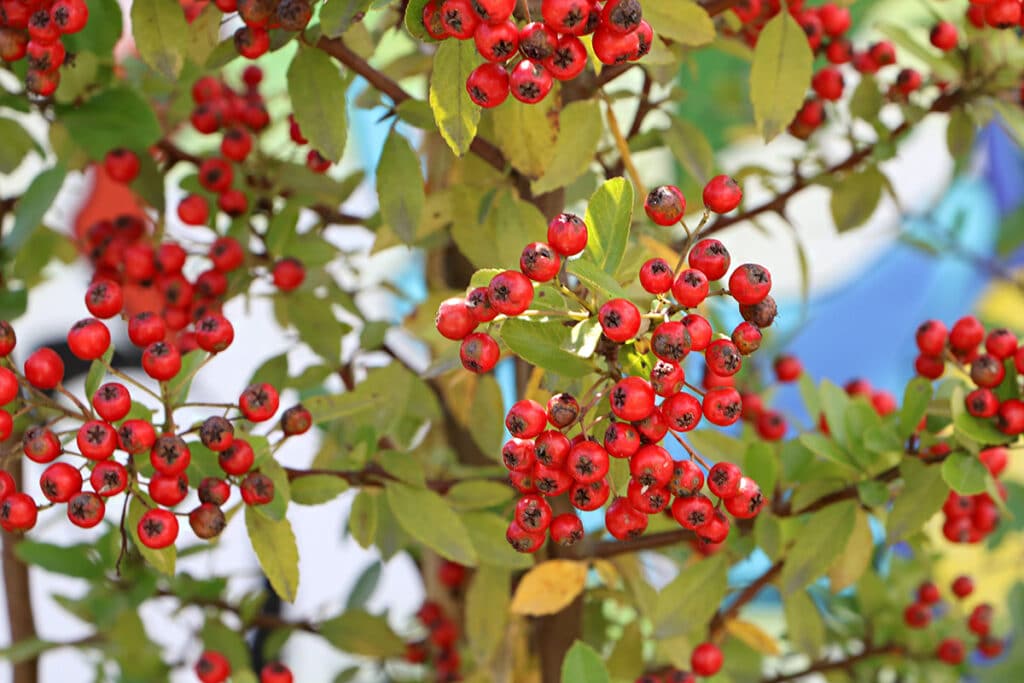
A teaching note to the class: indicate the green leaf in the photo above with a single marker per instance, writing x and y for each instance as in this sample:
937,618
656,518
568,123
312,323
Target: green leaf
363,518
33,205
97,371
580,123
400,187
317,92
701,588
456,115
597,281
608,218
780,74
117,117
682,21
425,516
487,611
965,474
477,495
357,632
161,32
821,539
924,492
162,560
855,197
527,135
278,555
542,344
691,149
804,626
336,16
915,403
17,143
487,534
582,663
317,489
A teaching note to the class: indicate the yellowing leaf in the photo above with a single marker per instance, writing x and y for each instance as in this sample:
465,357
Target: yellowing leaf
549,588
855,558
780,74
752,635
456,115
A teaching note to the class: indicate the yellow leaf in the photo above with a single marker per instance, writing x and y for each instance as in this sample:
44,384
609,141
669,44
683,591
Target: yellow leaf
549,587
752,635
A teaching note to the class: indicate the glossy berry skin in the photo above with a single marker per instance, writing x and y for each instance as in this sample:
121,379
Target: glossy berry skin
690,288
620,319
632,398
567,234
562,409
488,85
652,466
722,406
212,667
257,489
566,529
122,165
917,615
621,440
108,478
522,540
665,205
530,82
944,36
706,659
288,274
682,412
454,320
539,262
656,276
479,352
498,42
722,194
693,512
623,521
86,509
533,513
18,512
724,479
161,361
670,341
568,60
259,402
237,458
699,330
748,500
526,419
510,293
59,482
96,440
276,672
588,462
750,284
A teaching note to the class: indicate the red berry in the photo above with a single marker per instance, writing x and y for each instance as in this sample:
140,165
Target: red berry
620,320
722,194
539,262
479,352
623,521
44,369
665,205
488,85
288,274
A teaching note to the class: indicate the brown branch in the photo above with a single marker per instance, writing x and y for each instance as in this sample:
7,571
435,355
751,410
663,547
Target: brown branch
845,663
749,593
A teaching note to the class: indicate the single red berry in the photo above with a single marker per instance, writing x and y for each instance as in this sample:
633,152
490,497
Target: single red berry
722,194
566,529
510,292
671,341
479,352
259,402
59,482
44,369
207,521
18,512
257,489
212,667
917,615
288,274
488,85
86,509
620,319
706,659
665,205
623,521
567,234
161,361
539,262
530,82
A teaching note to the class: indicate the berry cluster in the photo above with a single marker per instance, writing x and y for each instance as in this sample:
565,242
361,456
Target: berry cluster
440,648
262,16
1000,14
551,48
971,518
109,424
213,667
542,458
961,345
951,650
33,29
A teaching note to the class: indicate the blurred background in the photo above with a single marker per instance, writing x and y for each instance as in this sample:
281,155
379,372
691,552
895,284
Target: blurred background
947,245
